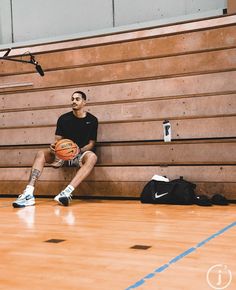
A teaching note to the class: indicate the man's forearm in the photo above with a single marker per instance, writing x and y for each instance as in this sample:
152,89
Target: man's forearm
88,147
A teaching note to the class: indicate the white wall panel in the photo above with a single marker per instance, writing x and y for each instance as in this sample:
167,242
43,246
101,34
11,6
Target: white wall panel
5,21
135,11
50,19
195,6
44,18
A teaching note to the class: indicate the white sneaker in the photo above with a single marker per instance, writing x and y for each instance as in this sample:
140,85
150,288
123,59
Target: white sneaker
63,198
24,199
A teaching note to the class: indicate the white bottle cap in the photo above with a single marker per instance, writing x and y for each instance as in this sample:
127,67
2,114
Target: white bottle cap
160,178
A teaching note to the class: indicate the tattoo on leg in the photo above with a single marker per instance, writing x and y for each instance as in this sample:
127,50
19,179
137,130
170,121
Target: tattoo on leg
35,173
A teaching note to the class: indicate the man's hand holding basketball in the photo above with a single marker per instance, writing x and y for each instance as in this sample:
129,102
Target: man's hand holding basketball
52,147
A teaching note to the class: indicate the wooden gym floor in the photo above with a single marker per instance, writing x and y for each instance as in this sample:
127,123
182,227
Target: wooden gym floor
87,246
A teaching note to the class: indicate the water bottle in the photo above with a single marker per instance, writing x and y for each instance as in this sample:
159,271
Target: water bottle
167,131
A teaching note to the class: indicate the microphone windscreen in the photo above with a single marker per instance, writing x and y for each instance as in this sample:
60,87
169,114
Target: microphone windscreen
39,69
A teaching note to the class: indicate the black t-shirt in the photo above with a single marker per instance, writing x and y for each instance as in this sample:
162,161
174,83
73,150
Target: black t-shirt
80,130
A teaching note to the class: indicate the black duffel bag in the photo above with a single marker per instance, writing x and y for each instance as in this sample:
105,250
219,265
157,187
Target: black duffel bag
178,191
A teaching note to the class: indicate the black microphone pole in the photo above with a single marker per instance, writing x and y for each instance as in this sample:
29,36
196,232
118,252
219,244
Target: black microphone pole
7,52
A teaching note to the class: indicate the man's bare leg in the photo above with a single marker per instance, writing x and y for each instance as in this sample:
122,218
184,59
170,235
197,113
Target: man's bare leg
89,160
27,198
40,159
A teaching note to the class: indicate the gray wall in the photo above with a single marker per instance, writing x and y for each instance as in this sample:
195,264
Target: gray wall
42,19
45,18
5,22
146,10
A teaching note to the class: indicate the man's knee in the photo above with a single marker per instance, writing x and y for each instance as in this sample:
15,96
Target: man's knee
44,155
40,155
90,158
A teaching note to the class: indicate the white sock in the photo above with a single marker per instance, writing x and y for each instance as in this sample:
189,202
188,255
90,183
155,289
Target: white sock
69,189
30,189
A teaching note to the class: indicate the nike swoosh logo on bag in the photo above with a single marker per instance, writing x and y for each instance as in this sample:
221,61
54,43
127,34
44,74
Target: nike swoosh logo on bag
160,195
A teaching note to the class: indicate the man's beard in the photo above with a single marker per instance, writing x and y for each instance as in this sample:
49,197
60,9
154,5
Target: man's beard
75,108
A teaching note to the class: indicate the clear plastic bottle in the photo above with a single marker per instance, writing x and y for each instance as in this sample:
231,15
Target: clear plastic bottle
167,131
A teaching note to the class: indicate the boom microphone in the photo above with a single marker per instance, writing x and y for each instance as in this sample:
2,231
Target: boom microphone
31,61
39,69
37,66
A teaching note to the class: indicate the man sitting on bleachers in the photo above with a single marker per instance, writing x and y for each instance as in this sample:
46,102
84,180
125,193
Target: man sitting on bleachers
79,126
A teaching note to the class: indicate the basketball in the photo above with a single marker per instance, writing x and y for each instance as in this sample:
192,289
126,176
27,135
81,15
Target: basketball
66,149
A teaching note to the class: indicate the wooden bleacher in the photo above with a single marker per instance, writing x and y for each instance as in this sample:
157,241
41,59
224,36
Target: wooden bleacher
134,80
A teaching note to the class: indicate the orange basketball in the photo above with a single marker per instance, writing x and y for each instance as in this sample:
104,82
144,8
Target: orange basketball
66,149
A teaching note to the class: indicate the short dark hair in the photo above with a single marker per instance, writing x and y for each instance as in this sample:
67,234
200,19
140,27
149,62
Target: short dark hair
83,95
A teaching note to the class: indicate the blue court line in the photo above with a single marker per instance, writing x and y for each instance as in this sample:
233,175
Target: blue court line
179,257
